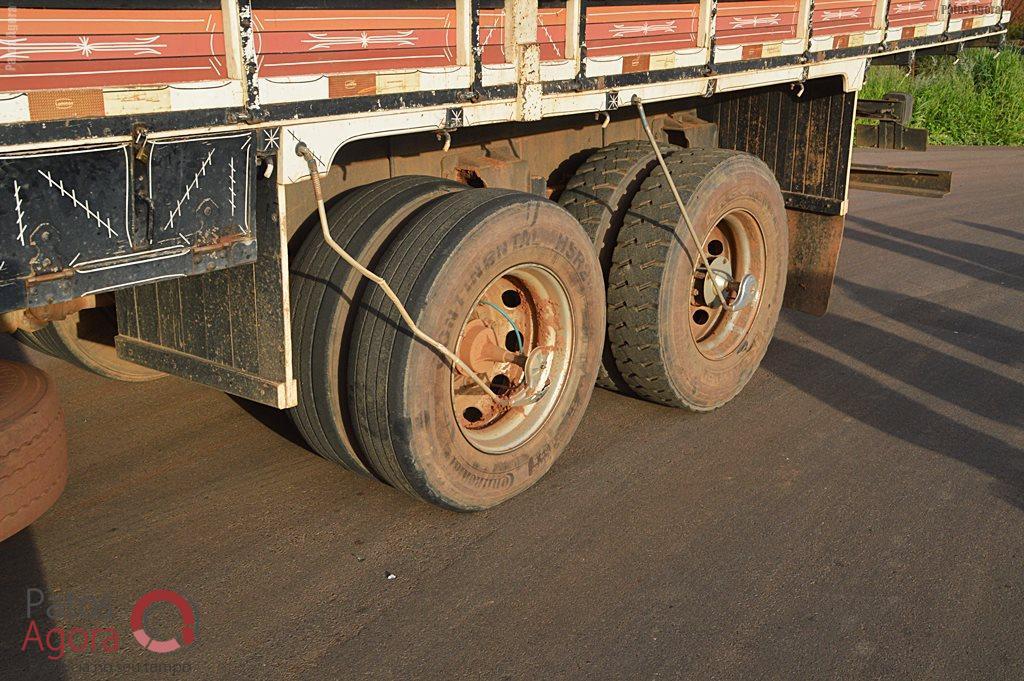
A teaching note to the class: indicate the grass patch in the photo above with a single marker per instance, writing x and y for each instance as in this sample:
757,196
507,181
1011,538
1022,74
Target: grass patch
977,101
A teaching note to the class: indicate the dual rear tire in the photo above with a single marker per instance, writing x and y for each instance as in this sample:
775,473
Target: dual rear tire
324,295
511,282
600,195
494,275
669,339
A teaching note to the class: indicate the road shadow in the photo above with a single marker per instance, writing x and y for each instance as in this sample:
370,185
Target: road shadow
992,229
979,254
981,336
957,262
968,386
861,397
13,351
276,420
23,570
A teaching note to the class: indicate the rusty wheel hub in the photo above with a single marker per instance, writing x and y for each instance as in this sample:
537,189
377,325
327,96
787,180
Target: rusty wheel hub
734,248
519,328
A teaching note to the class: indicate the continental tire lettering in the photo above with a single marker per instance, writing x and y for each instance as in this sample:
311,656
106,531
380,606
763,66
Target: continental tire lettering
503,482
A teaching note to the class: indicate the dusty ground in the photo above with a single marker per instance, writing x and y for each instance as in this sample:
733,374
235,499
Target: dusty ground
857,511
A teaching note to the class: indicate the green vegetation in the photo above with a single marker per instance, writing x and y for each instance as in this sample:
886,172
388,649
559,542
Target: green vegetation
978,100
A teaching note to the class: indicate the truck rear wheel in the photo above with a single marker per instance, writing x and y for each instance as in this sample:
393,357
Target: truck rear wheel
599,195
86,339
496,276
324,289
33,446
672,342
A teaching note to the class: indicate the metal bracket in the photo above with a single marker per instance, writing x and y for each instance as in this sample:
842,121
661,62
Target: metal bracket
911,181
893,113
269,142
140,137
454,118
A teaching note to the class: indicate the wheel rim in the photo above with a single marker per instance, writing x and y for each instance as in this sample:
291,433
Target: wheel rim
527,306
735,247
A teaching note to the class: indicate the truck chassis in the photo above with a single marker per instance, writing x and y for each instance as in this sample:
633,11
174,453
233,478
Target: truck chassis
157,162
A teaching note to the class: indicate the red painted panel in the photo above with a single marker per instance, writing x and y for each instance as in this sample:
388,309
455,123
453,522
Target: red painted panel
551,34
38,48
351,19
641,29
346,62
837,17
913,12
307,42
41,75
495,53
749,23
43,49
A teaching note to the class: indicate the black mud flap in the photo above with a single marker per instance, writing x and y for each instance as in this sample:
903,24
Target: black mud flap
814,244
226,329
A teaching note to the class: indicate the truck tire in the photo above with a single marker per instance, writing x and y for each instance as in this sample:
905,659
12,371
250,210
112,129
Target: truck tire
467,266
322,292
598,195
670,344
86,339
33,446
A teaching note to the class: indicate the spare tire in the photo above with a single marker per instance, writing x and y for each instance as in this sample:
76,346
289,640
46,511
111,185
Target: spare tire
33,446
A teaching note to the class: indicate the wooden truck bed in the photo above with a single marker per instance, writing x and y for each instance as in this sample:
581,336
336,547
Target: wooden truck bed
100,59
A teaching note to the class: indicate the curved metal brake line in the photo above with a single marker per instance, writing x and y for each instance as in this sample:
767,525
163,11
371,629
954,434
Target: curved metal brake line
305,152
748,283
515,327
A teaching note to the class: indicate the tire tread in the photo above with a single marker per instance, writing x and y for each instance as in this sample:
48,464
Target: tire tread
599,196
638,270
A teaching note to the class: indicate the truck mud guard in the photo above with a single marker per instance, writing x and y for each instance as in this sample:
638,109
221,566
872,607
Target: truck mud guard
228,329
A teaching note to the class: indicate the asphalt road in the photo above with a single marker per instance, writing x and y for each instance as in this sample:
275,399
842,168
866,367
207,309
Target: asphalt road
857,511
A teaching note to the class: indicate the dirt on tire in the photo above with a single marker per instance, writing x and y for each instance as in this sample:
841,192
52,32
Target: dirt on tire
651,279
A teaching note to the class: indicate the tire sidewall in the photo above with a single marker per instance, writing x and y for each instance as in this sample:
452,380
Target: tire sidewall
33,446
740,183
453,472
